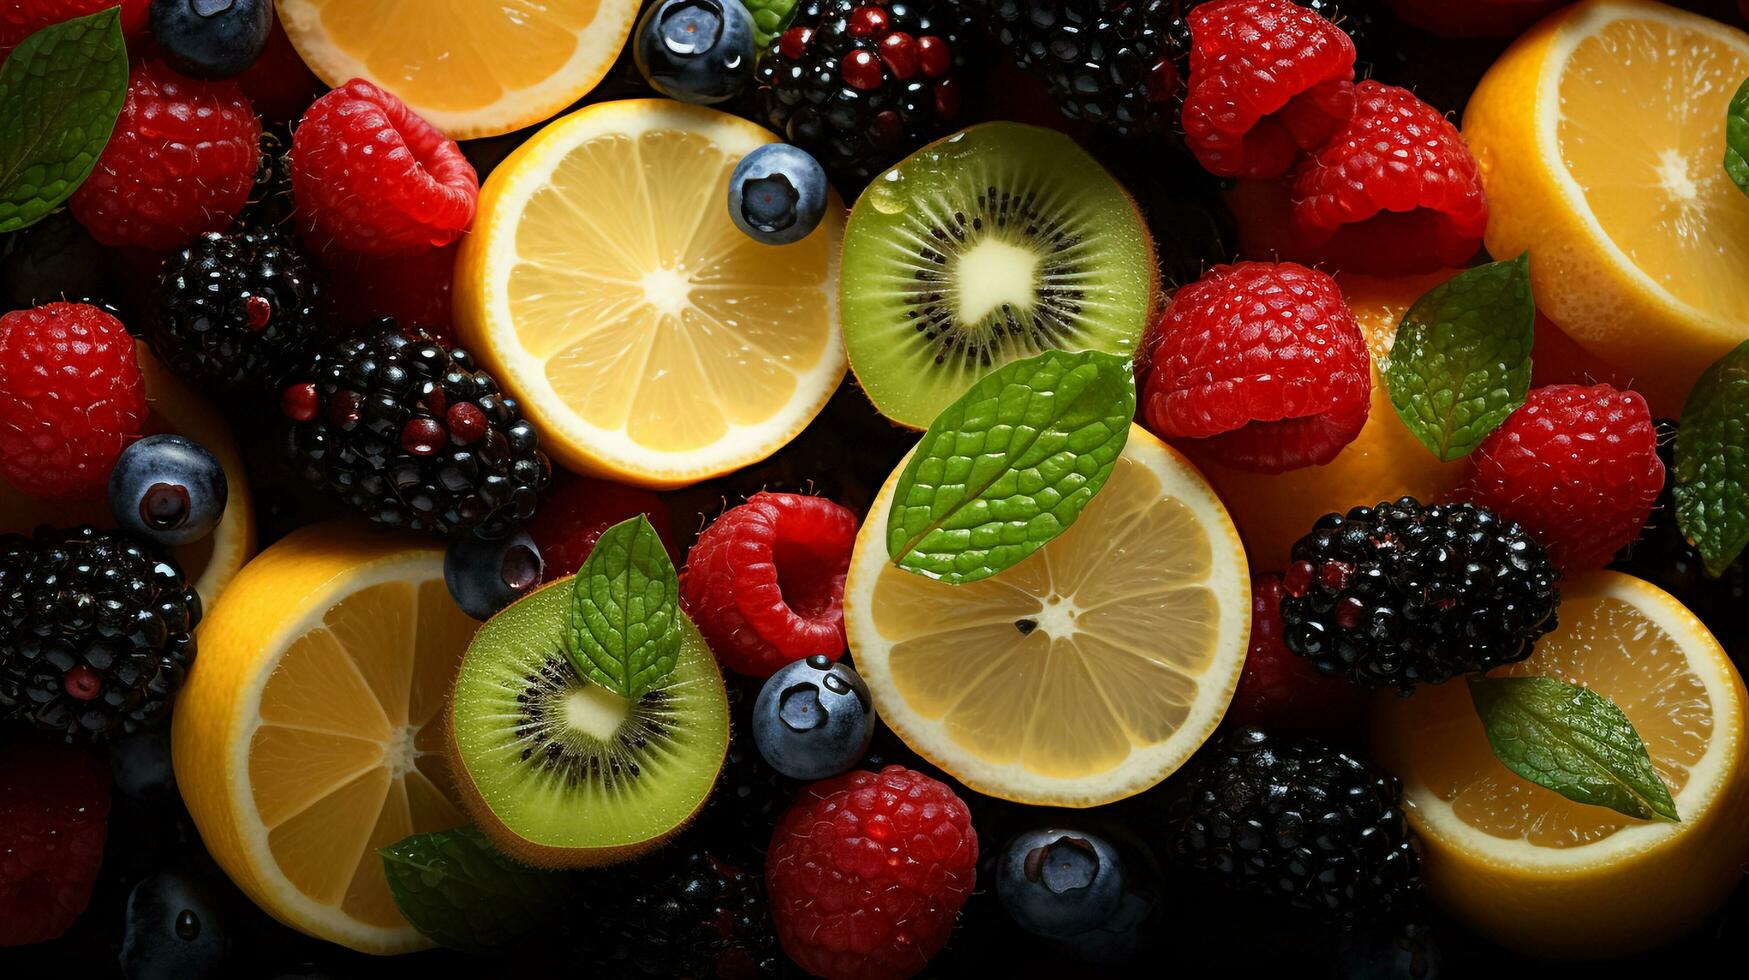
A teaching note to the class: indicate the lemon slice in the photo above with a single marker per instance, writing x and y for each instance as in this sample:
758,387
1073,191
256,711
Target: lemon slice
470,68
310,731
649,339
211,562
1600,136
1086,673
1540,873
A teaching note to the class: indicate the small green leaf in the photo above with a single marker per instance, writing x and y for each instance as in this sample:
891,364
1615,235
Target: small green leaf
624,631
1461,360
60,94
770,19
454,887
1011,464
1572,740
1712,462
1737,138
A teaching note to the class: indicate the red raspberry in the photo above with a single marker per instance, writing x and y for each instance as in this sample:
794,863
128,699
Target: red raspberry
1395,192
1578,467
1283,692
279,84
1268,78
1263,364
866,873
571,519
181,162
1473,18
765,582
414,289
372,176
54,816
20,19
71,399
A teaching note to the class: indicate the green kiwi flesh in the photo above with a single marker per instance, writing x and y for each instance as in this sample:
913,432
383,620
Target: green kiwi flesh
992,245
558,771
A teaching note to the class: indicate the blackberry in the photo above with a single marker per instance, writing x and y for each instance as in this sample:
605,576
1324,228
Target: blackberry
96,631
1121,64
688,912
1401,594
1299,820
413,436
236,311
861,83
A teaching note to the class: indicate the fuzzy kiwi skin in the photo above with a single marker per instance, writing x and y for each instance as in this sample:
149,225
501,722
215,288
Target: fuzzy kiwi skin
1156,302
528,852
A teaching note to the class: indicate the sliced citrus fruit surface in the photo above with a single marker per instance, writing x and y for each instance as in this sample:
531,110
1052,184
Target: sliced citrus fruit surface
1086,673
310,731
171,407
1600,135
1384,462
649,339
1541,873
471,69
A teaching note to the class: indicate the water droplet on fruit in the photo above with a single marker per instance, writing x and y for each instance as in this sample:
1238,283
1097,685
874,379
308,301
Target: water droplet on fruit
187,925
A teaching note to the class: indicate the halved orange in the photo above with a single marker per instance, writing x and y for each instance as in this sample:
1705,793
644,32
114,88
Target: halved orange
310,732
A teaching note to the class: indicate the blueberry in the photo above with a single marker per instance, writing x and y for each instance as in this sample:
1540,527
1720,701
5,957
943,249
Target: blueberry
140,765
696,50
211,38
176,929
777,194
484,575
1060,883
813,719
168,489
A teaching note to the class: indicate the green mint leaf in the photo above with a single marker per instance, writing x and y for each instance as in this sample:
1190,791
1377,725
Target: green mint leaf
1712,462
1572,740
60,93
770,19
624,631
455,888
1737,138
1011,464
1461,360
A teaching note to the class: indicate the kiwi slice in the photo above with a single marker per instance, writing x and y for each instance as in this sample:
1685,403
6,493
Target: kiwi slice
562,773
992,245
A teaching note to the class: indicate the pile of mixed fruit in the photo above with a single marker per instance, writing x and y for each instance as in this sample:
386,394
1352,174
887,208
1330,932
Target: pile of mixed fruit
873,488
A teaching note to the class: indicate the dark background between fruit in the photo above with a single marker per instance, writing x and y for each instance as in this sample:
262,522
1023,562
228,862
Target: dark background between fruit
1196,930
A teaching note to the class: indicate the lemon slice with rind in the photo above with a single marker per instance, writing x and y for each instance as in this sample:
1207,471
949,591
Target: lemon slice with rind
607,289
1086,673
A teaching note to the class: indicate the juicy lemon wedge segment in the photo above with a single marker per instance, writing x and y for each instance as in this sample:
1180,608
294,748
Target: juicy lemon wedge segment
471,69
606,287
310,732
1086,673
1600,138
1541,873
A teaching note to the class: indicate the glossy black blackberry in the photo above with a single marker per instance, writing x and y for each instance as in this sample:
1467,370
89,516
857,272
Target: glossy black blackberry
687,913
236,311
1663,556
96,631
1401,594
862,83
413,436
1121,64
1299,820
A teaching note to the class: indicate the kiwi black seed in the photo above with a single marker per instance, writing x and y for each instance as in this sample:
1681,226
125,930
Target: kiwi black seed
996,244
560,772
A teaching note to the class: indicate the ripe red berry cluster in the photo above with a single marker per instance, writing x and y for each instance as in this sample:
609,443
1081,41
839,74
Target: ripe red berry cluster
894,55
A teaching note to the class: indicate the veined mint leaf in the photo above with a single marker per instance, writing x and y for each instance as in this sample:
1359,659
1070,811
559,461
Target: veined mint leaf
1011,464
1572,740
454,887
1712,462
624,632
1737,138
770,19
60,93
1461,360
